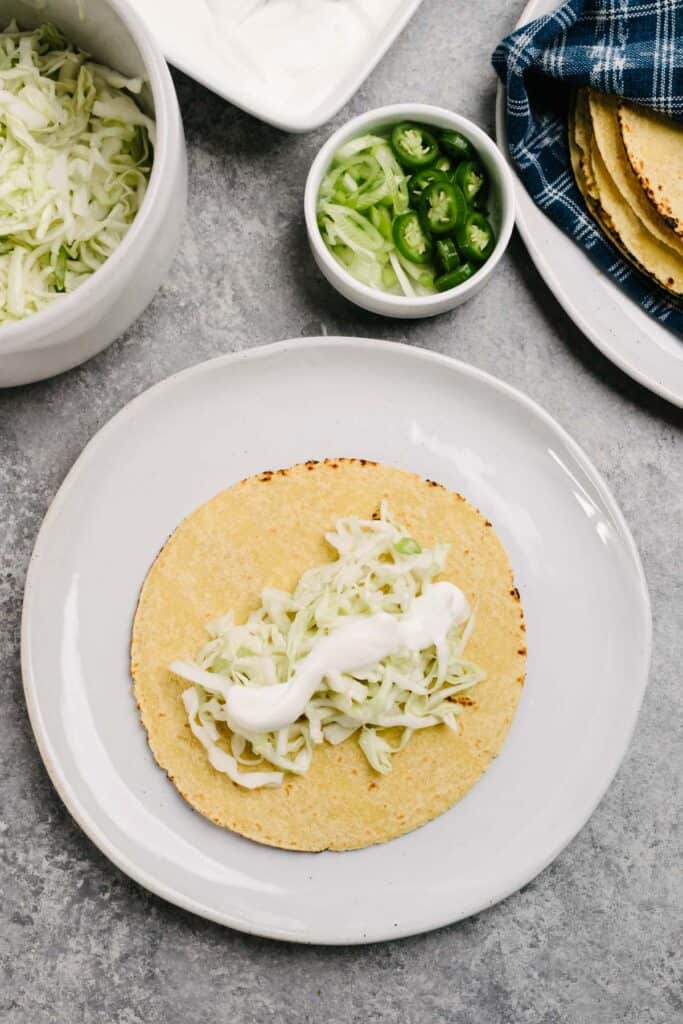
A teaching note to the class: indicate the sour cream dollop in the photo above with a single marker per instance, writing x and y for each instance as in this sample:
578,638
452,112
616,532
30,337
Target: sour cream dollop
357,644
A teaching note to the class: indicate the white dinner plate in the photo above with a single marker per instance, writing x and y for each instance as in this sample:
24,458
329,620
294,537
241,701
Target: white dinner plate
259,75
169,450
641,346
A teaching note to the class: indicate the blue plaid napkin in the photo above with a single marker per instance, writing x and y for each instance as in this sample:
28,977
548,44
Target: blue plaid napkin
633,48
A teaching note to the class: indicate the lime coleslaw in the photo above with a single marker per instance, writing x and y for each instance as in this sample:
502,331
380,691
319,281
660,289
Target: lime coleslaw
379,573
75,161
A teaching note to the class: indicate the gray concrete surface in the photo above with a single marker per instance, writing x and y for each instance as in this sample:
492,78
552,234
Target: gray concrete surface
596,938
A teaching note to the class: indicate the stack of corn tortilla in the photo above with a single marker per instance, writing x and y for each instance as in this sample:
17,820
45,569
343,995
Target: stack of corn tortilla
628,164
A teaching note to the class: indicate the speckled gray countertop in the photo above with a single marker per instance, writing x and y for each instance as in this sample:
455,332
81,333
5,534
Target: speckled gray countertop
596,938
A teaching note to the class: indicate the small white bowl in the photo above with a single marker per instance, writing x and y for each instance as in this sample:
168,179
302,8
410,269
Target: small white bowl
501,210
77,326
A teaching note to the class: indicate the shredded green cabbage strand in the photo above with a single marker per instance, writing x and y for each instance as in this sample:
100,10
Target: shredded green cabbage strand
75,159
364,178
378,569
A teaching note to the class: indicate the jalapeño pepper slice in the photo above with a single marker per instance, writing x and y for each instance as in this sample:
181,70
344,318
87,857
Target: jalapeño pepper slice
456,145
471,177
475,237
418,183
443,164
447,254
413,145
443,207
411,241
454,277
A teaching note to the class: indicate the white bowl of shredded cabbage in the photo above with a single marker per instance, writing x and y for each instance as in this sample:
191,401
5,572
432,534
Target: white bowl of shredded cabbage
93,180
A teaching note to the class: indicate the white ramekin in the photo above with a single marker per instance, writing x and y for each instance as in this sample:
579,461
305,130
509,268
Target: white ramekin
76,326
502,211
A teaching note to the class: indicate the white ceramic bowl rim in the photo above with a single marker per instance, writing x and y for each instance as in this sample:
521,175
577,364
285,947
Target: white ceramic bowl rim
393,113
17,336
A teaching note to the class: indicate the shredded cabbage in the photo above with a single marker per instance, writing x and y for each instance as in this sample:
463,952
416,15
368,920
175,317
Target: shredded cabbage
75,159
364,178
378,569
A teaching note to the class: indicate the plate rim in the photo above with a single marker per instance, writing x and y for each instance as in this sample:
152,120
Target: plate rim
545,266
98,835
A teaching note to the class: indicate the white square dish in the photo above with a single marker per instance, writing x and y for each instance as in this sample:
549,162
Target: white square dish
233,54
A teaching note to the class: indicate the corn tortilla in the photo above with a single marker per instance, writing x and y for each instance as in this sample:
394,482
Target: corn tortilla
610,209
605,123
579,147
580,143
657,260
266,531
654,147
